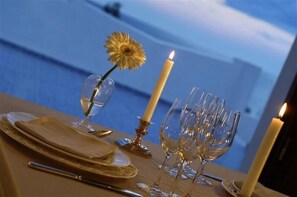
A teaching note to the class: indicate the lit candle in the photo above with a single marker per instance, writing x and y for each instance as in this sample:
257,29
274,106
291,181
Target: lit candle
262,154
158,88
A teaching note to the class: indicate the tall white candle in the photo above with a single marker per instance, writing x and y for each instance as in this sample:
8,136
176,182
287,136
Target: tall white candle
158,88
262,155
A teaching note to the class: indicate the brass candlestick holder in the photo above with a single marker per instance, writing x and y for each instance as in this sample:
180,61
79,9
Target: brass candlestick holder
135,146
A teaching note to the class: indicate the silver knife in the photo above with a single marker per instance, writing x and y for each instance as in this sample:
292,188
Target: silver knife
80,178
213,177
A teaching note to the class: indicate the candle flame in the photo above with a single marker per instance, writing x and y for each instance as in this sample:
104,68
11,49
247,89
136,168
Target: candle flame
282,110
171,55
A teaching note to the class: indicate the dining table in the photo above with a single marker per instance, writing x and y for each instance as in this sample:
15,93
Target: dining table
17,179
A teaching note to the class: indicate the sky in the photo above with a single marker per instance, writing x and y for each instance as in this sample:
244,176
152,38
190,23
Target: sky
282,13
224,27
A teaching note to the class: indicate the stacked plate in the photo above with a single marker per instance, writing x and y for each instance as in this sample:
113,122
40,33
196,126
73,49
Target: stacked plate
117,165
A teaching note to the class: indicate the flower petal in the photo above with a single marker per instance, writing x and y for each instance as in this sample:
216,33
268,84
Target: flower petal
124,51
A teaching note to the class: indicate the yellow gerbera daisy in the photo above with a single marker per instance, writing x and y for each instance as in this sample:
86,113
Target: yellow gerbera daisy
124,51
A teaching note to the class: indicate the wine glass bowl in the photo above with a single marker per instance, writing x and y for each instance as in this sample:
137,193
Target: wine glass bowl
171,128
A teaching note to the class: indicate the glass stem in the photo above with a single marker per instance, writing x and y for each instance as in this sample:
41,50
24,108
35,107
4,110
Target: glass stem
173,171
96,89
158,179
177,177
84,121
198,173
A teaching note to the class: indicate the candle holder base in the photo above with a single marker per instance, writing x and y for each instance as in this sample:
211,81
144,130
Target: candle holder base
136,146
128,145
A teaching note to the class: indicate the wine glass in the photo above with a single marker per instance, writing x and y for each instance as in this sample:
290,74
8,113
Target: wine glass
94,96
197,121
199,100
169,137
216,140
194,99
214,109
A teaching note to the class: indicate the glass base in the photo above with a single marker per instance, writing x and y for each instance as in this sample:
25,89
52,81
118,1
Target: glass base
172,171
203,181
131,147
90,129
190,173
83,127
152,191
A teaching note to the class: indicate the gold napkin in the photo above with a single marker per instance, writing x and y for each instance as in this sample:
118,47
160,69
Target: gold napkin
60,135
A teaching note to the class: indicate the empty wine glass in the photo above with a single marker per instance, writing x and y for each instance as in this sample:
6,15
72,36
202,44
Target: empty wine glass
94,96
169,136
194,99
201,101
214,109
198,120
215,141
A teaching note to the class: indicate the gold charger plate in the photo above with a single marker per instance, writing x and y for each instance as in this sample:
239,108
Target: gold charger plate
118,159
103,170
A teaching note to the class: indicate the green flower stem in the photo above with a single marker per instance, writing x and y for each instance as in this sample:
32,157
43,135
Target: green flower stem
96,89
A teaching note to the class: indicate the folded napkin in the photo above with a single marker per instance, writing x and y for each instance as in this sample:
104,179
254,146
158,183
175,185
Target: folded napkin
61,135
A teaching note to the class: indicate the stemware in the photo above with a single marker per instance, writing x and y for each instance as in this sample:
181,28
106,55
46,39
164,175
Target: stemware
194,99
200,101
214,109
169,137
216,140
198,120
94,96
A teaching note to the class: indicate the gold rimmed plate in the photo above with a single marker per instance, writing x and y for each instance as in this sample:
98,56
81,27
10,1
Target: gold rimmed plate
103,170
118,159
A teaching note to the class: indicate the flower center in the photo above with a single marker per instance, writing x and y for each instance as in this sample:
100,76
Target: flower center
126,50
